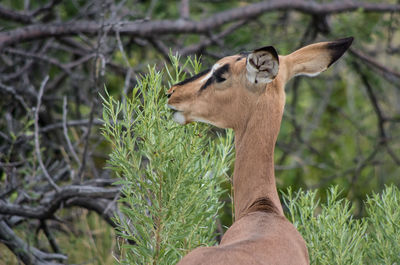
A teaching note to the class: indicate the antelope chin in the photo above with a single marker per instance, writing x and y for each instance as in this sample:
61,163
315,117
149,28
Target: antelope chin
179,117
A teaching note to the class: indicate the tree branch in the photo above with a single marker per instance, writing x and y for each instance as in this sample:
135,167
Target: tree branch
26,253
21,17
162,27
184,9
65,131
370,61
37,143
50,204
58,125
384,140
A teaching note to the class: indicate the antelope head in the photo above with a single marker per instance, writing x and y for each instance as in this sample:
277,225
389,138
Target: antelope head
227,94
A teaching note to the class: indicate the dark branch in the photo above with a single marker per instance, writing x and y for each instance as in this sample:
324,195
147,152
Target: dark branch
20,17
25,252
147,29
50,204
59,125
370,61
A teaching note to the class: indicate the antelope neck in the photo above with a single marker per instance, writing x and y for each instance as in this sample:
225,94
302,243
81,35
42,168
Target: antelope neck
254,176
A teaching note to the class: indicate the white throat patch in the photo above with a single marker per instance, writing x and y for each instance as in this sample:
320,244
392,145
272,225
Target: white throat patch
179,118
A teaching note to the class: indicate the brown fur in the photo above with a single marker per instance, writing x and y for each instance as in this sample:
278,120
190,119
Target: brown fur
261,234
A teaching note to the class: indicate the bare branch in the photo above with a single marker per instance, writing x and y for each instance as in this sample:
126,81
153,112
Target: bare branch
49,236
37,144
65,131
20,17
98,205
370,61
184,9
52,202
98,72
380,117
196,48
18,97
161,47
162,27
39,57
46,8
73,123
26,253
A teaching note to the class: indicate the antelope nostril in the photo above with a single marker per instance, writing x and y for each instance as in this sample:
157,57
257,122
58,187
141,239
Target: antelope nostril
169,95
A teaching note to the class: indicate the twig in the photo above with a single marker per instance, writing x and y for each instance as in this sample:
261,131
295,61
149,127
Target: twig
86,142
65,131
309,35
46,8
37,144
380,117
358,168
196,48
49,236
73,123
184,9
112,203
39,57
370,61
150,9
128,65
18,97
161,47
7,77
97,71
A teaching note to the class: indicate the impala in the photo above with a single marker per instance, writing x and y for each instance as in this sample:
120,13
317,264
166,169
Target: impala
246,92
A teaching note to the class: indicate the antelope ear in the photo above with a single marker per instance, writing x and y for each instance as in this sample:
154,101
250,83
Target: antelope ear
262,65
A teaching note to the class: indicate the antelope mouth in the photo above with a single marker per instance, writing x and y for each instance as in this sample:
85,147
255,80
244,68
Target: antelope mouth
177,115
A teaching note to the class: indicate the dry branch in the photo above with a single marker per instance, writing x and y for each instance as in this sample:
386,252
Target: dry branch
13,15
52,202
392,74
26,253
37,140
162,27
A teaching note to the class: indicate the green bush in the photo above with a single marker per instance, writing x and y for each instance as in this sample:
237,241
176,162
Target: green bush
384,219
170,173
334,236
